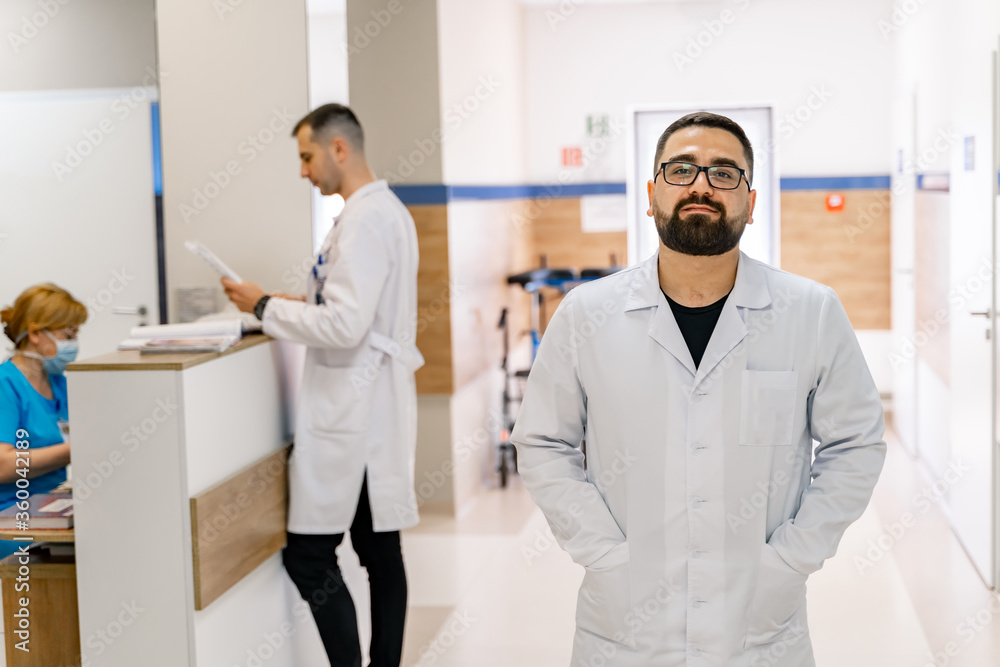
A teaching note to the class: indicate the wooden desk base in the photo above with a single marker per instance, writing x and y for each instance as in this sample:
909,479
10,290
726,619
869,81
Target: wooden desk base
54,619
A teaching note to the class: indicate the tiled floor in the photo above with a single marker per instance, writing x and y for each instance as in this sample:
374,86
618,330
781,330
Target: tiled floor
492,589
511,591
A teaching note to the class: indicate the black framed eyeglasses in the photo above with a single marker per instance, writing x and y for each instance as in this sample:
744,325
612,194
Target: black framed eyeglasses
720,177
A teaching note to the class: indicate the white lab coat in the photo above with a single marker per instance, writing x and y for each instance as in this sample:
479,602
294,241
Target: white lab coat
701,510
357,405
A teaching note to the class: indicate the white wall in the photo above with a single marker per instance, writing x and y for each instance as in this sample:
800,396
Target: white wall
482,98
394,90
944,56
582,58
233,84
105,44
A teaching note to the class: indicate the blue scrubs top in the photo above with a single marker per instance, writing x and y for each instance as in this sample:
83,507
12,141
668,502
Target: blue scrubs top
22,407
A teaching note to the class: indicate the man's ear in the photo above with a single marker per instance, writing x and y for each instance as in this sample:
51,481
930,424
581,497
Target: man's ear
649,193
339,148
752,203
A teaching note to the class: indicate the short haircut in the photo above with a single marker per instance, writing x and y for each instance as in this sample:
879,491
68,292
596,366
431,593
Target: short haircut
706,119
332,120
39,308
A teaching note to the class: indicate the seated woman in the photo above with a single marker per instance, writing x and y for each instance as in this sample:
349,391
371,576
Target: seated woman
43,324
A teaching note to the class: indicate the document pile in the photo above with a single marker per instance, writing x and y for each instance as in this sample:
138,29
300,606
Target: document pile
45,511
201,336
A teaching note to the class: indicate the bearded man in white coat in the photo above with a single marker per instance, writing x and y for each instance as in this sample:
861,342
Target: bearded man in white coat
700,380
352,464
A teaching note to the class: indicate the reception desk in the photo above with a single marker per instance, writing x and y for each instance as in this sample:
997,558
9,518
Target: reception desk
180,491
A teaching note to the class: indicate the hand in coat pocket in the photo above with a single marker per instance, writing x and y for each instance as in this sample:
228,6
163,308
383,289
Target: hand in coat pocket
605,600
779,594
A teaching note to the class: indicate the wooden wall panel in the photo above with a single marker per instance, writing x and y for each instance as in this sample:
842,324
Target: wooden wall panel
931,277
557,233
849,251
433,300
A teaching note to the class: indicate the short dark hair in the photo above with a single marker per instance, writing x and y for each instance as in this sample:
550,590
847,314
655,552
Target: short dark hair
707,119
331,119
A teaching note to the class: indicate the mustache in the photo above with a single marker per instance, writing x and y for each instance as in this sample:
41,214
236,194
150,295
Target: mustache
698,200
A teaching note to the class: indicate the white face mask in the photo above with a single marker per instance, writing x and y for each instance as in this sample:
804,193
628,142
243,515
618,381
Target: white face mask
66,351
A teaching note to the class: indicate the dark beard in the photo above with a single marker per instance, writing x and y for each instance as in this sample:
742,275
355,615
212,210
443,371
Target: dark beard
698,233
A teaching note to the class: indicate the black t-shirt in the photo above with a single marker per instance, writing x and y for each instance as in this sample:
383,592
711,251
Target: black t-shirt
697,324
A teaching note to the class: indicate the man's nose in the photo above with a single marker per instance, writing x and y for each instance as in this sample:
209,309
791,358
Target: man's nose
701,184
304,172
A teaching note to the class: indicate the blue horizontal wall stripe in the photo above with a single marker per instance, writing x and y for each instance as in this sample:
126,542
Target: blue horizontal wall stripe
836,183
442,194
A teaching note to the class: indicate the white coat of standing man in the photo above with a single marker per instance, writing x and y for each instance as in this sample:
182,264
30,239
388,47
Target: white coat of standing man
352,464
700,378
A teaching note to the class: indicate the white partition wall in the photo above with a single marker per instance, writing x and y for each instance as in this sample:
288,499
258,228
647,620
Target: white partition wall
646,124
233,84
146,441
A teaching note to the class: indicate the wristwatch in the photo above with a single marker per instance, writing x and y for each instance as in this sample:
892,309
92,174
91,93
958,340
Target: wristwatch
258,310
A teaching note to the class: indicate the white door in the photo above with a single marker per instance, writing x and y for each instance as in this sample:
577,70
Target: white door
646,124
903,354
970,499
77,204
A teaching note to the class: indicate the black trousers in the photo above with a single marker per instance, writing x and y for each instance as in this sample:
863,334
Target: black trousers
311,561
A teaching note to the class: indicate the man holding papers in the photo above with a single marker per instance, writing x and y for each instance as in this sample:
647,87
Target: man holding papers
352,464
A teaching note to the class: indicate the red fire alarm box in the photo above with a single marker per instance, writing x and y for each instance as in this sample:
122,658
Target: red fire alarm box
572,156
835,203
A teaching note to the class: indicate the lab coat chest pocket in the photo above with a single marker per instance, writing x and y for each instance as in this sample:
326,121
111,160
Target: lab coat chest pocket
767,407
605,600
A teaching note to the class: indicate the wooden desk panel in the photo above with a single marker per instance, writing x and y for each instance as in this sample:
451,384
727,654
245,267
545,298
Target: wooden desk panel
237,525
55,627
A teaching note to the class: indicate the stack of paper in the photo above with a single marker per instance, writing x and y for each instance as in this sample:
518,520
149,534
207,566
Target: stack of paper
211,336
